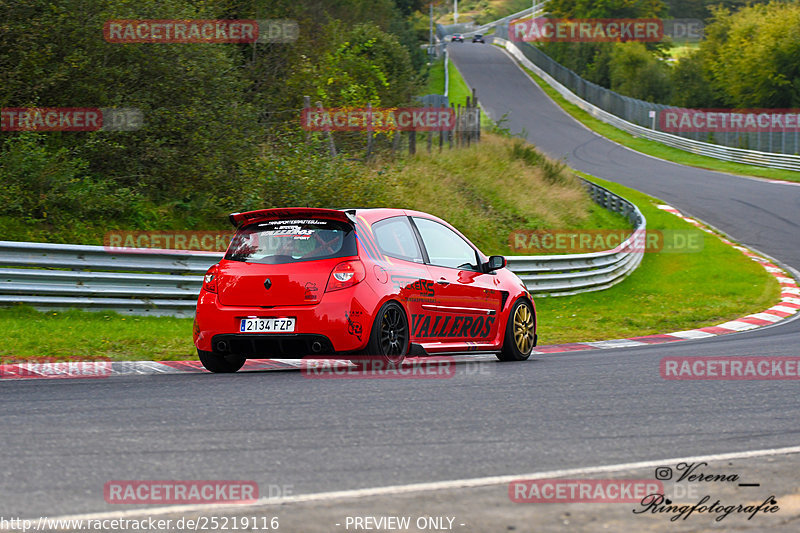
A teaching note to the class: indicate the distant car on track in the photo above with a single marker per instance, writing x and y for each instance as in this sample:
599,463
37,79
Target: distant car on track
478,38
457,38
382,283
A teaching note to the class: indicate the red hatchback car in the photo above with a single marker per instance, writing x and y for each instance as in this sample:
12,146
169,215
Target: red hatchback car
375,283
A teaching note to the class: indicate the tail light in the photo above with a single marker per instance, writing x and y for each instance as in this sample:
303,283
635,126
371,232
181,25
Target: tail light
345,274
210,279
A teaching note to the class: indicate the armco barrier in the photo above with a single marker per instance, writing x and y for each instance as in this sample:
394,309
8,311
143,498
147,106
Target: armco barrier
724,153
562,275
60,276
52,276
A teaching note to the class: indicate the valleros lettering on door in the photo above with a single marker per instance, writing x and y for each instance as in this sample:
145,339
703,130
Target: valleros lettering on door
457,327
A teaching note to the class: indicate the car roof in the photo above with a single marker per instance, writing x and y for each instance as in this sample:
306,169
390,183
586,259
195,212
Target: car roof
369,215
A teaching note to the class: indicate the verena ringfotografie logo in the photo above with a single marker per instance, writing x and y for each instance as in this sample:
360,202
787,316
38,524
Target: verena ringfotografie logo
70,119
374,367
730,368
597,240
200,31
556,30
169,241
172,492
378,119
729,120
583,490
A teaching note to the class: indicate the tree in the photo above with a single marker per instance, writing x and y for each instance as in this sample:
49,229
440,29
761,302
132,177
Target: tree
751,57
606,8
592,60
635,72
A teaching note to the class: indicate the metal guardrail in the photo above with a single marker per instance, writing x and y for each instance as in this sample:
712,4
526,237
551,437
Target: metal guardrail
446,74
470,29
58,276
61,276
724,153
563,275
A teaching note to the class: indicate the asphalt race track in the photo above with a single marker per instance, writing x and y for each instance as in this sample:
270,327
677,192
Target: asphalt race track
62,440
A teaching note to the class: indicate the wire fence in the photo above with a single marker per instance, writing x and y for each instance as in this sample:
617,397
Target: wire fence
639,111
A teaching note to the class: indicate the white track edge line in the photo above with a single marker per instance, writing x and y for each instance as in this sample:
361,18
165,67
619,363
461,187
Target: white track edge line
429,486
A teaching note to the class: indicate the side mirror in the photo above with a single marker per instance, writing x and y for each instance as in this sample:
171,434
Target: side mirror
496,262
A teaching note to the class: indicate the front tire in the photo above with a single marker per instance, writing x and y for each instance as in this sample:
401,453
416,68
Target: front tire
389,339
520,336
221,364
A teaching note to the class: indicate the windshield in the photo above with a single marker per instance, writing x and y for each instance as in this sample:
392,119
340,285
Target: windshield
291,241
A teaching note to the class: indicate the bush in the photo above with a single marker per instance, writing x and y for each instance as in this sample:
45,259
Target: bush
44,184
637,73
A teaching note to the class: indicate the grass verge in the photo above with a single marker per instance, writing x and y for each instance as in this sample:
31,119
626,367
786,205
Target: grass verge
656,149
458,90
668,292
493,188
81,335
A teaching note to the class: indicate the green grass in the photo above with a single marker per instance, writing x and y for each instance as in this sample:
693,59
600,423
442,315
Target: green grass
491,189
668,292
436,77
657,149
458,90
80,335
682,49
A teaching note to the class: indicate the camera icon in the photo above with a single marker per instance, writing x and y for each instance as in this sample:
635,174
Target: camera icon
663,473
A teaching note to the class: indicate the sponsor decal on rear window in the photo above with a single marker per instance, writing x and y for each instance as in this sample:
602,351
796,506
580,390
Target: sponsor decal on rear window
292,240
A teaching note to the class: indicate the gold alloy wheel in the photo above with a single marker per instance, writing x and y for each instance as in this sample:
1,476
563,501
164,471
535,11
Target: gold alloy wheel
523,329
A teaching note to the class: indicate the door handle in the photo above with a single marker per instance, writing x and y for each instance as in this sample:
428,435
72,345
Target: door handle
443,281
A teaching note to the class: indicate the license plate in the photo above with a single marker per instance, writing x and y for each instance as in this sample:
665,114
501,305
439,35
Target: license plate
267,325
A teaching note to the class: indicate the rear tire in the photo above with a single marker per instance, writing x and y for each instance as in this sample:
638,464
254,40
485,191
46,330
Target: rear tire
389,338
221,364
520,333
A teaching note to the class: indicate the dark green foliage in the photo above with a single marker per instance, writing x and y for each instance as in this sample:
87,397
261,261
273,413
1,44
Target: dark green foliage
748,60
221,121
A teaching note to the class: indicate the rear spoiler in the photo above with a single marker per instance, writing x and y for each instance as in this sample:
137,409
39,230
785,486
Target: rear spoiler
238,219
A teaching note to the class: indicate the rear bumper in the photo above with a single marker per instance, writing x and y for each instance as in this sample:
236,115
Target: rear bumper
340,322
285,345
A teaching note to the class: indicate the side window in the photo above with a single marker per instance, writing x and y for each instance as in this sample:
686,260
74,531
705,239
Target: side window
396,239
445,247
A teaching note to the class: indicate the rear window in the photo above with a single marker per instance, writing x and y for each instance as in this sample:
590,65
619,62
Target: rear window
291,241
